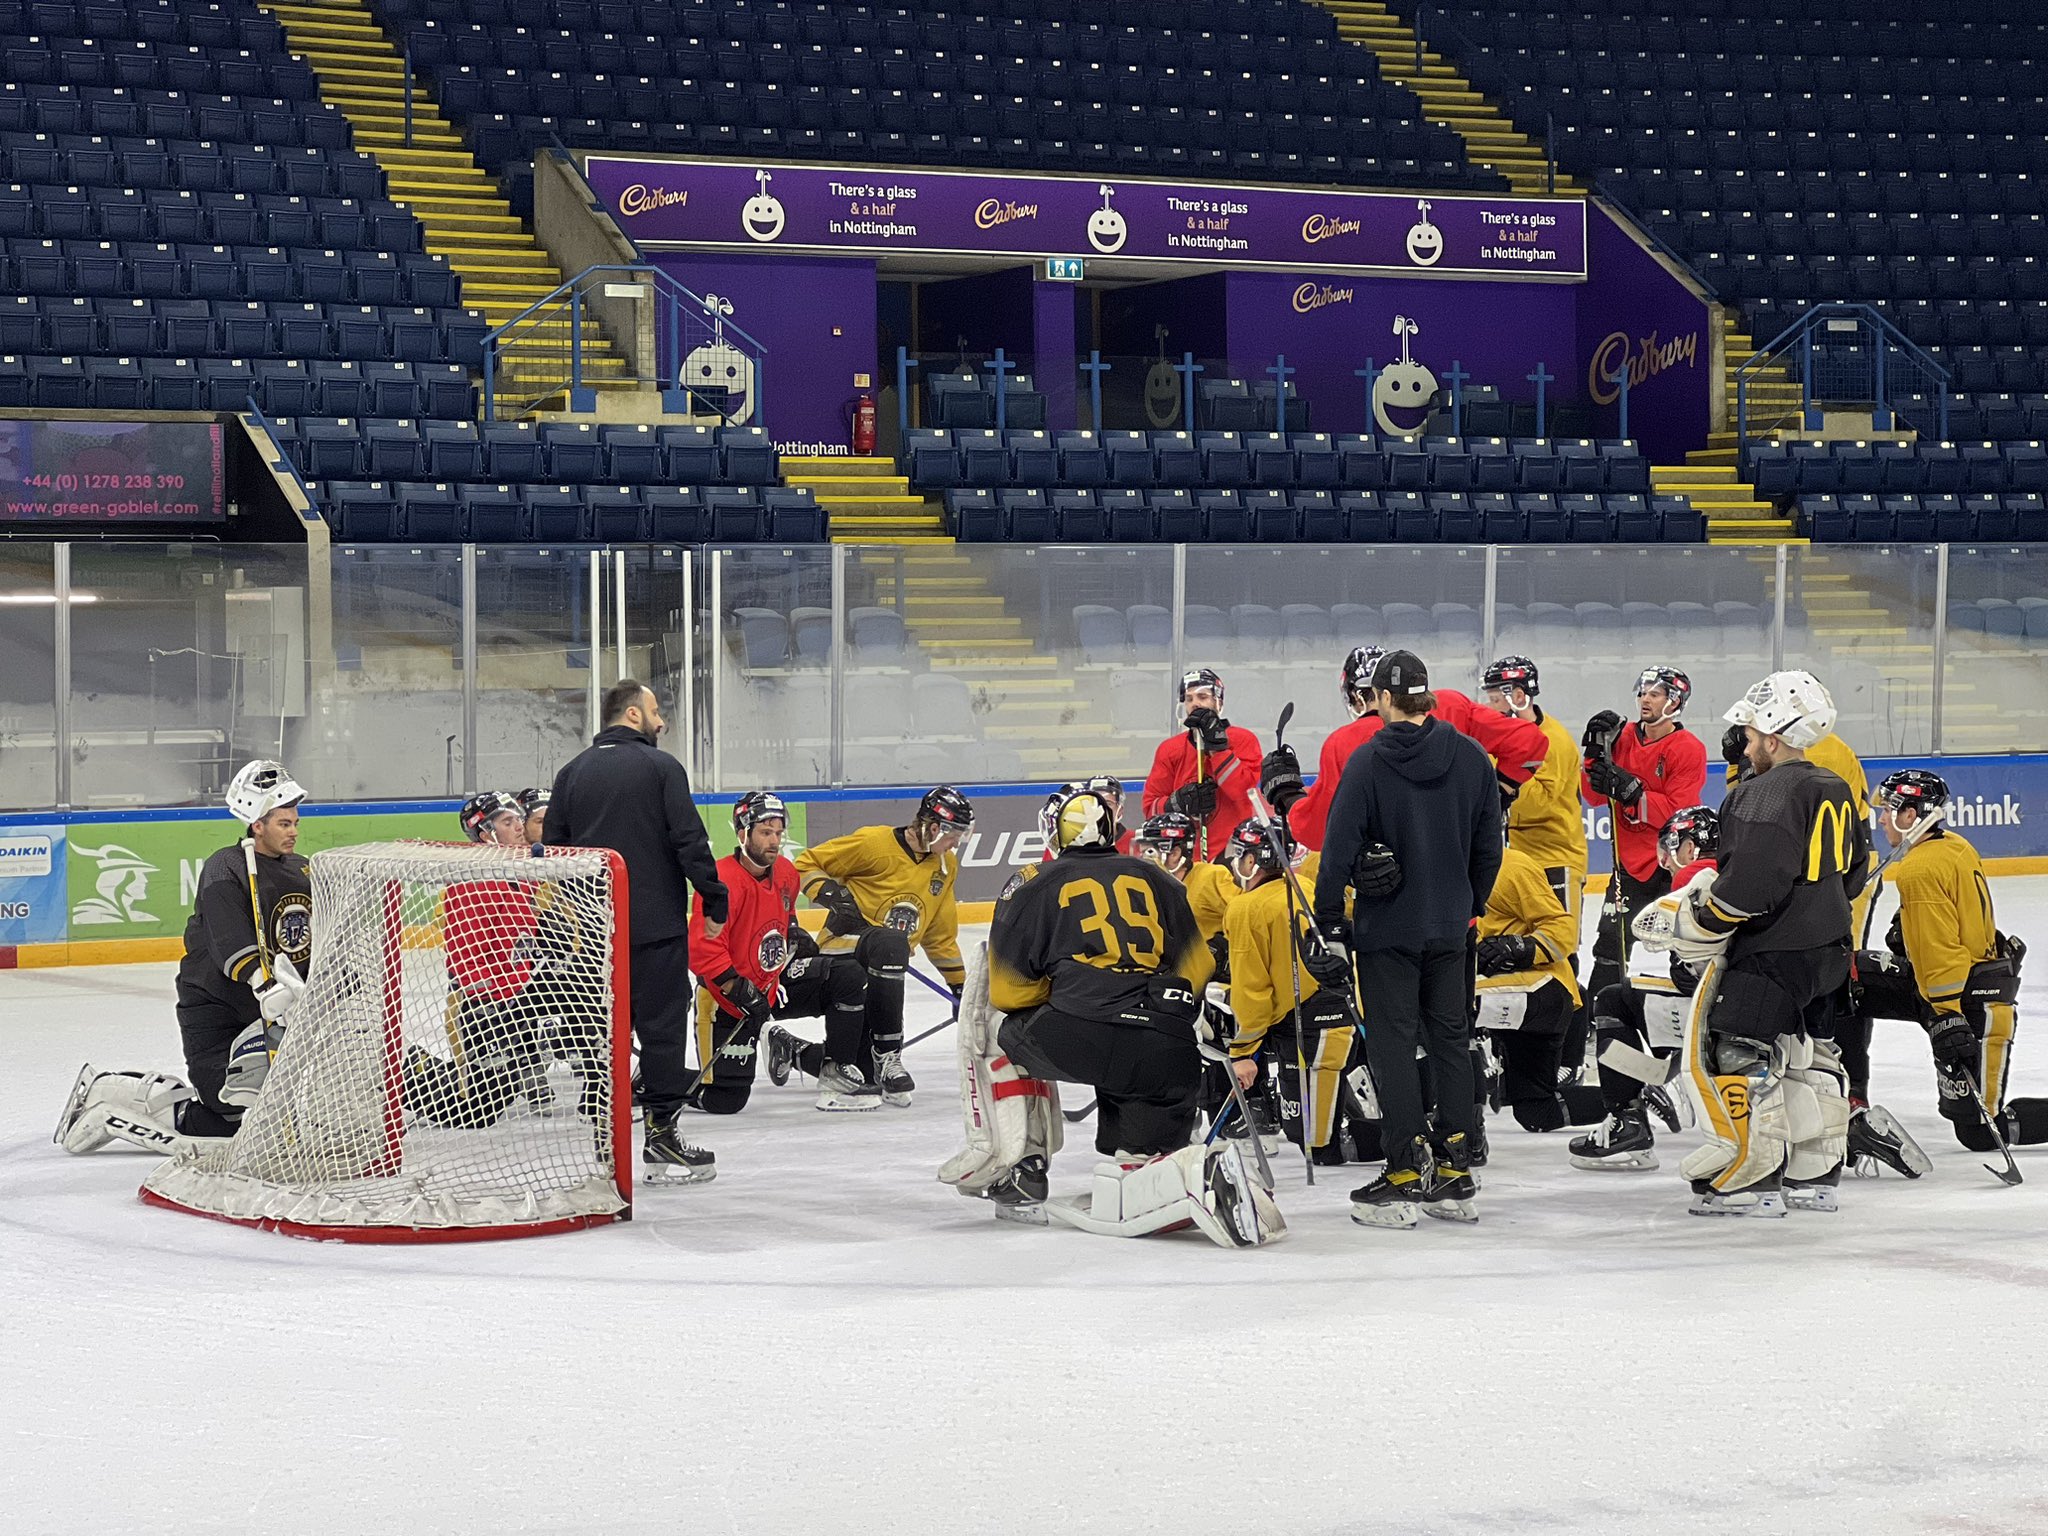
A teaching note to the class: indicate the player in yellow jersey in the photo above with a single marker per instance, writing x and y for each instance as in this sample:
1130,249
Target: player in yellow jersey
1282,1014
885,889
1528,997
1946,967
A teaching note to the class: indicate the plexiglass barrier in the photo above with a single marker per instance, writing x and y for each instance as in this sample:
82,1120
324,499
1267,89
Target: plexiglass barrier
143,674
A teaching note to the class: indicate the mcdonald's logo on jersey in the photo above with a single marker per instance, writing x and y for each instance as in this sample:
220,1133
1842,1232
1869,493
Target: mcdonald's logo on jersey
1822,858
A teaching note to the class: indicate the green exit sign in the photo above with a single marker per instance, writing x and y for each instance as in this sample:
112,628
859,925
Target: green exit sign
1063,269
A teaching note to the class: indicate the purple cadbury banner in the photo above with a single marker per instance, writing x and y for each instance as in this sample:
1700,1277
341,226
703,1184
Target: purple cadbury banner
850,211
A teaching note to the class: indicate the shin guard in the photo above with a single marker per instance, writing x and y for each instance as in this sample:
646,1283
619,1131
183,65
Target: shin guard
1008,1115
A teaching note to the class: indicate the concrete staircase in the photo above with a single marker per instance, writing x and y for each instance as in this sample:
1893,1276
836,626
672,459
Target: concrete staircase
501,265
953,615
1710,477
1491,138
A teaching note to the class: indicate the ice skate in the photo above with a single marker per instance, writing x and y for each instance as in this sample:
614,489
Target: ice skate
74,1106
896,1082
1478,1149
1876,1139
665,1158
1450,1190
1019,1195
1674,1115
784,1050
1392,1199
1621,1143
844,1089
1813,1194
1765,1199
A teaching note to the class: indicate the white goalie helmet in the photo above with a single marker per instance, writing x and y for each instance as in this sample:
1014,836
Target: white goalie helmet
1793,705
260,788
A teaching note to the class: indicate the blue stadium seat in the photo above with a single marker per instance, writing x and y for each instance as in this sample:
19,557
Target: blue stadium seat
554,513
930,458
675,514
689,455
1078,517
1082,460
512,452
737,515
1129,514
794,516
429,511
570,450
1225,462
491,514
1366,520
1131,461
1178,459
363,512
454,450
393,450
1176,518
1027,516
629,453
1034,459
984,461
974,515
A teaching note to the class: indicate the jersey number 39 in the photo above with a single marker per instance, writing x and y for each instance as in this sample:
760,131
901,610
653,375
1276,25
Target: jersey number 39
1128,928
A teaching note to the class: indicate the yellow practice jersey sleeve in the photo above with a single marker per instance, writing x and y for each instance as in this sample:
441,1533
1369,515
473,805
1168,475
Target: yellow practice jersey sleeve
1836,755
894,888
1945,917
1089,932
1546,822
1523,903
1262,963
1211,890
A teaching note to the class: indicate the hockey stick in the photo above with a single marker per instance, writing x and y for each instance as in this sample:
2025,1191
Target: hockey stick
1076,1116
1614,886
1202,828
2010,1175
1244,1108
263,957
1276,843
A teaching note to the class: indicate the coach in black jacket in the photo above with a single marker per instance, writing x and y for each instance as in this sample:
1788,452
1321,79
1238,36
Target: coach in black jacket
1427,793
623,793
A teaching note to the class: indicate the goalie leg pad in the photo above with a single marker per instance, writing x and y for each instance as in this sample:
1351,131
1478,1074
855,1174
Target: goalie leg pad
1209,1188
1744,1114
1619,1056
139,1108
1007,1114
1820,1134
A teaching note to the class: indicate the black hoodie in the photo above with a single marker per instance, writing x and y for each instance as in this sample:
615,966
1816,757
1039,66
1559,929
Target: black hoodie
625,793
1428,793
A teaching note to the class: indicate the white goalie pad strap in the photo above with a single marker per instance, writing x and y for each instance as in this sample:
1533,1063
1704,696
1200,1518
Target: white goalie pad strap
1618,1056
1664,1015
139,1108
1502,1007
1208,1188
1008,1115
1818,1112
1361,1084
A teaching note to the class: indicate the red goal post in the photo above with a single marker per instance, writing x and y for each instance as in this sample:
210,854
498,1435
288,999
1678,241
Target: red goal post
460,1066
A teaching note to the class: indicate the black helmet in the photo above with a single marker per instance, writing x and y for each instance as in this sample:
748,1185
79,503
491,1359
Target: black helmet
755,806
1699,823
1356,679
1911,789
946,809
1511,672
1251,837
1676,685
480,810
531,800
1201,677
1171,832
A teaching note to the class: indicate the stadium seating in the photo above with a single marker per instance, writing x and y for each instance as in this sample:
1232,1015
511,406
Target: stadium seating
1165,87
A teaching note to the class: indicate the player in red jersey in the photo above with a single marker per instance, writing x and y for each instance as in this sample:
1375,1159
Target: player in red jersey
1517,747
1209,769
1647,770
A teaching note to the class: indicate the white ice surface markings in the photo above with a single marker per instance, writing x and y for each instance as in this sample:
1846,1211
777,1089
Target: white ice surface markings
825,1335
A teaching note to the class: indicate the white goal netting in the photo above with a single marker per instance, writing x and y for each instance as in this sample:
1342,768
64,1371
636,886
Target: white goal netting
458,1065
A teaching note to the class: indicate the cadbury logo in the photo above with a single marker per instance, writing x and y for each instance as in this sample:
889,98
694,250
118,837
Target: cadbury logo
990,213
1318,227
1643,361
1313,296
644,199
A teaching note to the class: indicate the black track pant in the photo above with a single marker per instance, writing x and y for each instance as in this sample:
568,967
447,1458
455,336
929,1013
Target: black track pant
662,994
1607,943
1145,1080
1418,998
1890,991
208,1030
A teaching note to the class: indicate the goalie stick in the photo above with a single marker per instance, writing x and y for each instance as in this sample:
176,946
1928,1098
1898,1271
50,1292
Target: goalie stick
1276,840
263,956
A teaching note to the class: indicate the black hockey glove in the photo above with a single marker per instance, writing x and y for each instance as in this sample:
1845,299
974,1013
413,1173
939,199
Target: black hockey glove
1280,779
1196,800
801,945
1599,734
1510,791
1210,730
1330,960
1954,1041
883,953
746,999
1375,873
845,914
1735,747
1505,953
1617,784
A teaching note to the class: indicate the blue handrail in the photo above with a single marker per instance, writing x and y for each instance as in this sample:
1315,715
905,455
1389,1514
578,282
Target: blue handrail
1887,335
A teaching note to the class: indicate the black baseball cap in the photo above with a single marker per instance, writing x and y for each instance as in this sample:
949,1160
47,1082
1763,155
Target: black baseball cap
1402,674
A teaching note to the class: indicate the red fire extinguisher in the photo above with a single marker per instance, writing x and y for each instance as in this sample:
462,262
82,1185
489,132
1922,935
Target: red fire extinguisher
862,412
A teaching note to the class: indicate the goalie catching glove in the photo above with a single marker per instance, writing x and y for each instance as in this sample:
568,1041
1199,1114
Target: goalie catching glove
1673,922
278,996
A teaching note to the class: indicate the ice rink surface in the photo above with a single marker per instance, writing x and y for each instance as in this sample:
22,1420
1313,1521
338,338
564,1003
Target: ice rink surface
826,1339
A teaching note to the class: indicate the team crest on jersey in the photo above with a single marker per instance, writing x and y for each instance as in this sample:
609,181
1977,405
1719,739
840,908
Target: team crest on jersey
938,882
772,951
905,917
291,927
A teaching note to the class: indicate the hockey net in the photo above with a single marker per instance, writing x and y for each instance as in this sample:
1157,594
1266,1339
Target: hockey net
459,1064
